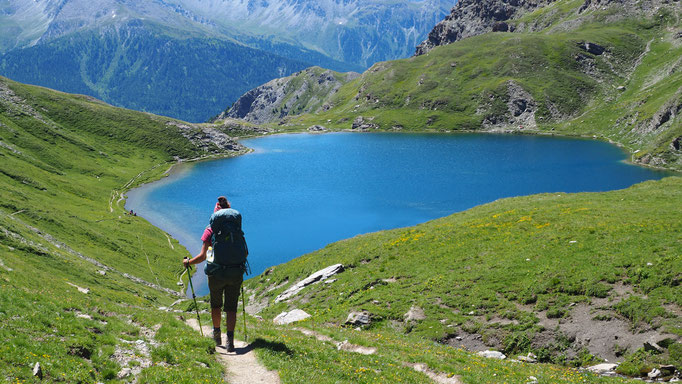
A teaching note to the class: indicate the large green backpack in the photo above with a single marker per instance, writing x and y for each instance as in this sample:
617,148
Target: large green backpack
229,244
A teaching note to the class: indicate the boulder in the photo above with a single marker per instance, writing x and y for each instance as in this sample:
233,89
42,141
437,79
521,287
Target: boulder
604,369
414,314
290,317
123,373
492,355
654,373
320,275
316,128
358,318
530,358
38,371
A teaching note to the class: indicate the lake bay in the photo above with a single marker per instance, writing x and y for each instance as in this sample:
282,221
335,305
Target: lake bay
299,192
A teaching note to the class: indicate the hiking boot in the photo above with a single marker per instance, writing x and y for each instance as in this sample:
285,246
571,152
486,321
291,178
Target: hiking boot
217,337
230,343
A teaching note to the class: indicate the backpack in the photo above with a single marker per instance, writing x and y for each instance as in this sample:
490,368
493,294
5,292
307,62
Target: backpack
229,244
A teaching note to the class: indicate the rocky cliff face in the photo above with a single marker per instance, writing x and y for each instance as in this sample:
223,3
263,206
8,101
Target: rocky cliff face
302,92
475,17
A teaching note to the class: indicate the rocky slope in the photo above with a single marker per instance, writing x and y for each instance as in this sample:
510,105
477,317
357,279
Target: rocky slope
302,92
470,18
474,17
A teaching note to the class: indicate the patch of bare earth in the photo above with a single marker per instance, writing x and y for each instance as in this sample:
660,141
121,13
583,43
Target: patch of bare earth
594,326
242,366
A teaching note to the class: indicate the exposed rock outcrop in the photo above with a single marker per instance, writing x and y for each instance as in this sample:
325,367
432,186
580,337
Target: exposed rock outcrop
320,275
515,109
302,92
209,138
474,17
290,317
359,319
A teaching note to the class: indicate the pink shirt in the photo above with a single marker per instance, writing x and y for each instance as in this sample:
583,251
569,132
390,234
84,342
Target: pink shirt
206,237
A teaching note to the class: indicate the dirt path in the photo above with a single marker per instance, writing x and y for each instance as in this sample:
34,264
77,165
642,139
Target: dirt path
242,366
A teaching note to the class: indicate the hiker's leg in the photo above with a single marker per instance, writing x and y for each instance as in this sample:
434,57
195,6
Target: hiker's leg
230,320
215,317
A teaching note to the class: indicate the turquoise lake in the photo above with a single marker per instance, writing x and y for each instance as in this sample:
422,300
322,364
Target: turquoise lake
299,192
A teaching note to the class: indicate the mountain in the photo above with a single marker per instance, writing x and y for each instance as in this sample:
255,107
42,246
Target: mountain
609,70
471,18
351,31
302,92
188,59
145,67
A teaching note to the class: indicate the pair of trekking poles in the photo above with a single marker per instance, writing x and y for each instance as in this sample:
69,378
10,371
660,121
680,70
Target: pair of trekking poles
196,307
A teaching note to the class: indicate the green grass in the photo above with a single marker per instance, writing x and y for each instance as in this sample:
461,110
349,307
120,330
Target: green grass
65,160
520,259
497,270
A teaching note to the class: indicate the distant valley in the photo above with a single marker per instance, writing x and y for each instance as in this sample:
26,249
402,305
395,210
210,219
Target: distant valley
188,59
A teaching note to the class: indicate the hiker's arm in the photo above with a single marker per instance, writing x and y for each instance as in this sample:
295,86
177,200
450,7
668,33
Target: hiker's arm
201,256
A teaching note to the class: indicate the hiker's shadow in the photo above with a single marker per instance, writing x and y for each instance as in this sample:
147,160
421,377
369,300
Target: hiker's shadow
260,343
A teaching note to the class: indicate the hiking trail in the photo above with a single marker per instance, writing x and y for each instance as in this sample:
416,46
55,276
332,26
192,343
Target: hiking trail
241,367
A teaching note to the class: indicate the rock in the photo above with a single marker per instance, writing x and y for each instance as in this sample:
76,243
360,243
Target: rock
290,317
320,275
475,17
501,26
2,265
676,144
316,128
346,346
123,373
605,369
654,373
358,318
530,358
667,370
532,380
360,124
621,88
102,272
38,371
592,48
84,316
414,314
492,355
80,289
651,346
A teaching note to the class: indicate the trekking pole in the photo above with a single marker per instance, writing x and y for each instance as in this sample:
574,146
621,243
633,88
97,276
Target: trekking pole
246,338
191,286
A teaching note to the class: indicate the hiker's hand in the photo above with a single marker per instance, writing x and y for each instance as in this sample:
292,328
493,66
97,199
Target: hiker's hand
185,262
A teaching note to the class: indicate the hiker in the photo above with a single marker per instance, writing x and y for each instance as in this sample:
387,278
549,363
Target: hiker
225,266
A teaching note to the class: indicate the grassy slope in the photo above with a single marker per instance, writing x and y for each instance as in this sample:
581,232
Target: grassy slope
63,160
521,259
458,86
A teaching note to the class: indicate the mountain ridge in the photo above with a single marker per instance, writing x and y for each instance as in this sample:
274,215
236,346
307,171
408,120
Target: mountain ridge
596,71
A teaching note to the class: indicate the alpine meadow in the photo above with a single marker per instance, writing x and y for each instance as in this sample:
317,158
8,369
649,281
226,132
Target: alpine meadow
548,288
